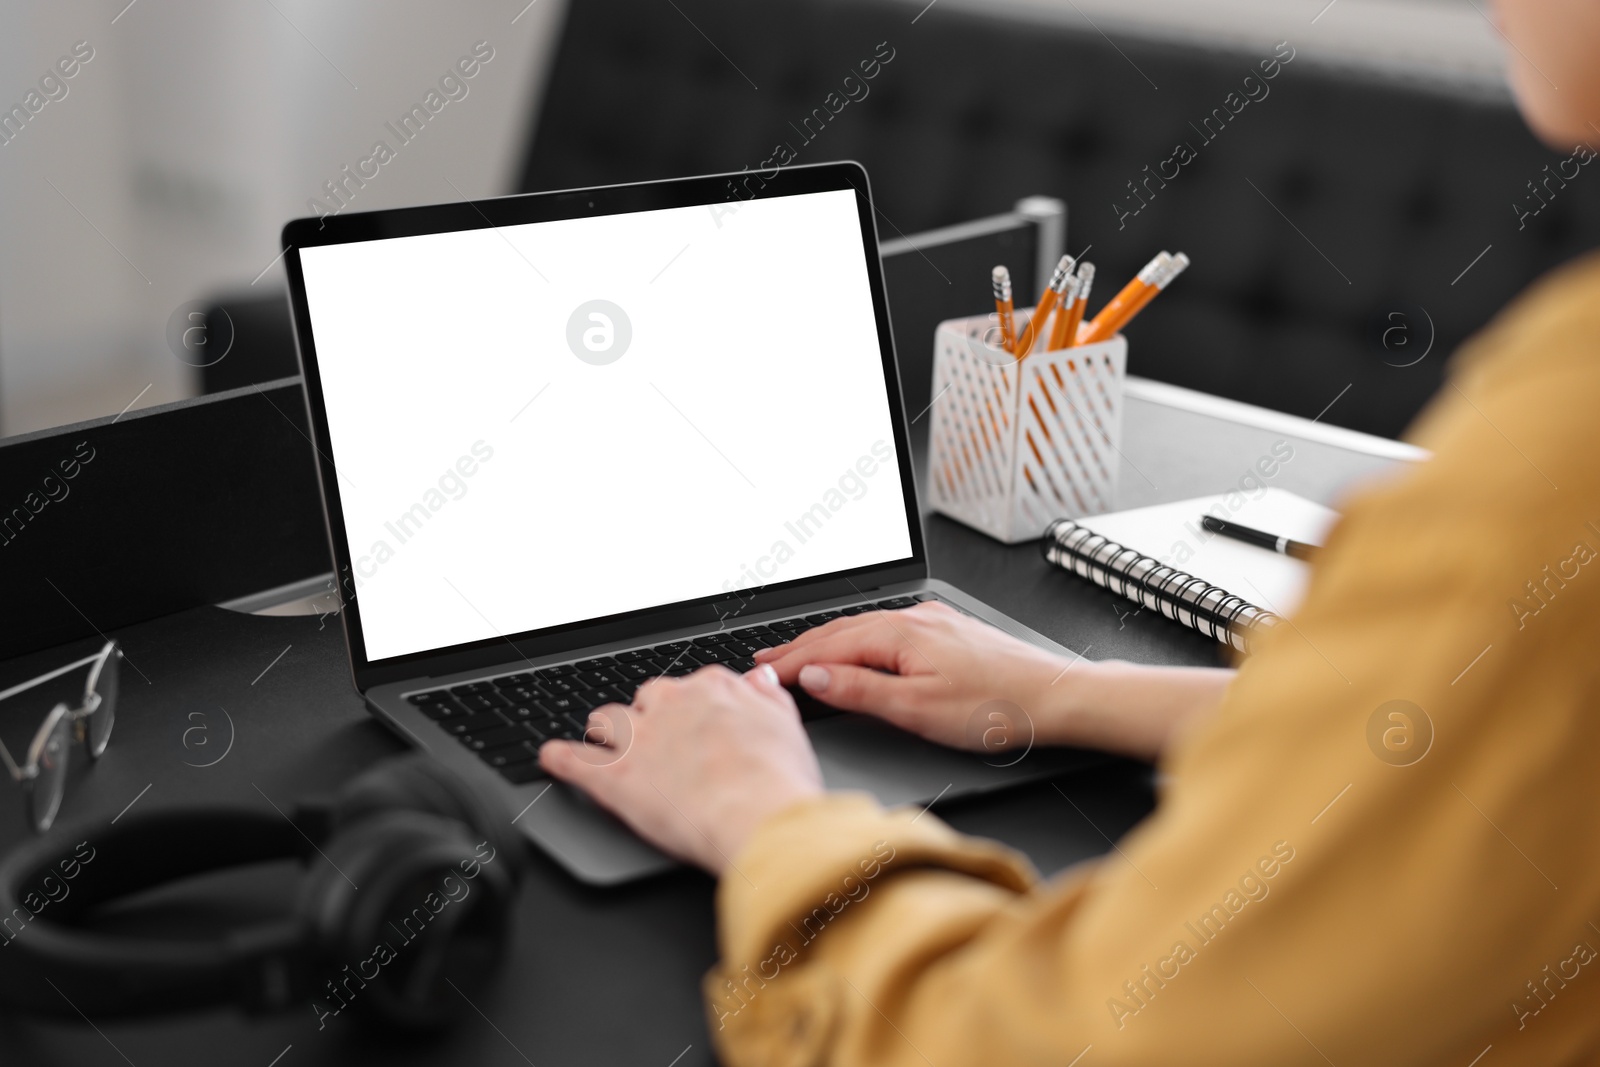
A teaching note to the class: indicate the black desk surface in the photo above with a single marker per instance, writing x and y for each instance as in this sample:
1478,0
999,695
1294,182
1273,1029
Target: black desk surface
596,976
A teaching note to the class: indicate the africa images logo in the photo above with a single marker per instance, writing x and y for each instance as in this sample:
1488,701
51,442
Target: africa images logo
599,332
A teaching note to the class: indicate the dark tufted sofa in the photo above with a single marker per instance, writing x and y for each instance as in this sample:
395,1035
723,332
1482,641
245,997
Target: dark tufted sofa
1330,217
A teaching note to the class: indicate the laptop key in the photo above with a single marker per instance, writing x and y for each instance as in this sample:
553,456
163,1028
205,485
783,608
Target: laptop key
822,617
471,724
811,708
561,705
632,655
596,678
511,681
500,735
432,696
472,687
507,755
606,695
564,729
923,598
442,709
637,672
741,664
595,664
896,603
560,670
523,773
483,701
854,609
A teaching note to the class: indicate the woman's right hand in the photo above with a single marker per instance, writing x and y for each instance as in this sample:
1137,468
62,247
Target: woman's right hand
953,679
933,671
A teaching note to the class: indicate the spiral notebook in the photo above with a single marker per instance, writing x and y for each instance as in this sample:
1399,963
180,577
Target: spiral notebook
1162,558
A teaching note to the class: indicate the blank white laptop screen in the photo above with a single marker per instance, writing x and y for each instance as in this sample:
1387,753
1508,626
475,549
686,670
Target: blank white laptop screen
542,424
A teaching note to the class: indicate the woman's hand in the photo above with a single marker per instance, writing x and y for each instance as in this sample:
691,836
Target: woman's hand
961,682
933,671
696,763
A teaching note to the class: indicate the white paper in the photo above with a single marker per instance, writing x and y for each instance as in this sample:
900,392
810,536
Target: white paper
1172,534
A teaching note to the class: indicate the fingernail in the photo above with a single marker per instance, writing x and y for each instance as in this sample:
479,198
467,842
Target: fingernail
765,675
815,679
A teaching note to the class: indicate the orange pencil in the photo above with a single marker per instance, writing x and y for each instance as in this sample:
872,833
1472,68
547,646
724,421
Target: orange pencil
1048,301
1004,309
1135,296
1065,333
1173,266
1132,293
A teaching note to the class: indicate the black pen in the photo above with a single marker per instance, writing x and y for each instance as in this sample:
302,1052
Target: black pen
1259,538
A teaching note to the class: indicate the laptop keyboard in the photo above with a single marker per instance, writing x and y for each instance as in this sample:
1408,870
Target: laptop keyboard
505,719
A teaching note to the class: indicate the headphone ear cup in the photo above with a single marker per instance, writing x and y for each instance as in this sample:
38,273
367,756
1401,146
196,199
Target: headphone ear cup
420,783
404,908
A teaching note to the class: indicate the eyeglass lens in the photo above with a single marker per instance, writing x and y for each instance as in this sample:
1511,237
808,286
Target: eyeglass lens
51,781
106,684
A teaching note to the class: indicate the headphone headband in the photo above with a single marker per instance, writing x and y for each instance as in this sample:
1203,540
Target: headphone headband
46,884
397,829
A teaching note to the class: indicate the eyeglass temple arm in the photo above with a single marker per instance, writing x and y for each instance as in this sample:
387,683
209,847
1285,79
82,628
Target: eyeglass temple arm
43,678
11,764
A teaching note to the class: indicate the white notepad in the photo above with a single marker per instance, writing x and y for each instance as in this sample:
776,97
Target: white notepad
1162,557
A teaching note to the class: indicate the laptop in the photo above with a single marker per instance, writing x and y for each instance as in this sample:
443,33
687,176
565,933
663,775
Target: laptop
569,441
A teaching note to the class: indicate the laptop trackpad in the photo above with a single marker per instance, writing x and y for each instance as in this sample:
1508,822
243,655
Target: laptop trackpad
864,753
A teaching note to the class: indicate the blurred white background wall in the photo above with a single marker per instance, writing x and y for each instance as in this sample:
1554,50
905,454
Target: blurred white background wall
196,130
199,127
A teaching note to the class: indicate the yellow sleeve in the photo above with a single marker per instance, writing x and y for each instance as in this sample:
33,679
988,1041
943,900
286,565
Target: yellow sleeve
1381,849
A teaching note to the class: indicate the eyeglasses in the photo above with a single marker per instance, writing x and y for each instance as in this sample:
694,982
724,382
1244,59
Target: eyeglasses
44,776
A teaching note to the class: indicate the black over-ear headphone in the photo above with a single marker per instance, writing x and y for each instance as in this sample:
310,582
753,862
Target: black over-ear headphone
411,879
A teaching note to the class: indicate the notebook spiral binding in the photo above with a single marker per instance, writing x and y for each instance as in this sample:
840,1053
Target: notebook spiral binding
1182,597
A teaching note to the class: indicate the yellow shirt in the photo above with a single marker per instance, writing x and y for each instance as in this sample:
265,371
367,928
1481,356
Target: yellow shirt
1331,877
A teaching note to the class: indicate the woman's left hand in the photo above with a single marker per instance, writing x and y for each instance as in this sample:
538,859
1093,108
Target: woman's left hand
695,764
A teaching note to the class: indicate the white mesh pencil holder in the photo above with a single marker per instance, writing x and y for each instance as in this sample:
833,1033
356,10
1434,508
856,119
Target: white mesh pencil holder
1013,446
